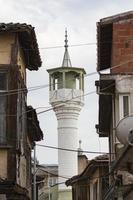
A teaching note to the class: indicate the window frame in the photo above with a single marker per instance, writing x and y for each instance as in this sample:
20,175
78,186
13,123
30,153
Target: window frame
121,105
3,138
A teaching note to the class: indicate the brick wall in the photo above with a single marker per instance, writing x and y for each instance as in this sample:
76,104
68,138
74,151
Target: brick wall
122,50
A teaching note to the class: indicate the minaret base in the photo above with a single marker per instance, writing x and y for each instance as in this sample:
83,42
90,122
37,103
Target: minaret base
65,194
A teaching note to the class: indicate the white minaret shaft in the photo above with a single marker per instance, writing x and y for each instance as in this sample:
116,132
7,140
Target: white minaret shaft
66,97
67,117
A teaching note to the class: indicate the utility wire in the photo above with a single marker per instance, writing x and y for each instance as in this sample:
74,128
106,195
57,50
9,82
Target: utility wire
56,148
64,102
71,150
57,175
62,46
16,91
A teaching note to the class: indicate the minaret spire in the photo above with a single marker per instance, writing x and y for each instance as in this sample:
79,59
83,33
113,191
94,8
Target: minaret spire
66,59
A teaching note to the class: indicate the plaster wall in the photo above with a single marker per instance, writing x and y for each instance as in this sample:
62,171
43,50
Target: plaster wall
21,63
82,163
129,196
93,179
21,171
3,164
65,195
6,40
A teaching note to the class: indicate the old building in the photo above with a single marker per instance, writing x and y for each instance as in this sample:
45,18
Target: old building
115,89
93,182
48,187
19,127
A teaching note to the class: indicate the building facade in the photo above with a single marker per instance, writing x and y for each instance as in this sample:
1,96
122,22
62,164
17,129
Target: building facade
19,127
93,182
115,89
48,183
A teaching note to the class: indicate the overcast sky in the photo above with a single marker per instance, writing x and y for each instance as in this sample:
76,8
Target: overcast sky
50,18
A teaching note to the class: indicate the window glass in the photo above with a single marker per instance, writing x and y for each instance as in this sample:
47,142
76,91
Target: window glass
3,81
95,191
125,106
3,87
2,118
56,84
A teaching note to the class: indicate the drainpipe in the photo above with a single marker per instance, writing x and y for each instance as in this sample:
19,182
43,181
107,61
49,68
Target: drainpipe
34,181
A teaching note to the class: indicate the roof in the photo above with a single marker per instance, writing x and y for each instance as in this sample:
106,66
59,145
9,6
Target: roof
34,131
90,169
60,69
28,42
117,18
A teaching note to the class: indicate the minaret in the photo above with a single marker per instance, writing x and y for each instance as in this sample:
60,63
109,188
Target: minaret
67,100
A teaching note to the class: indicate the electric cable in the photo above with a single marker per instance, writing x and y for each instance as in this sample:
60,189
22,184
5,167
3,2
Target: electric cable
6,93
57,148
66,101
62,46
72,150
57,175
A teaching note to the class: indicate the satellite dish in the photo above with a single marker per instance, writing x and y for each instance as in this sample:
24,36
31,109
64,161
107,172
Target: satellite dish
124,130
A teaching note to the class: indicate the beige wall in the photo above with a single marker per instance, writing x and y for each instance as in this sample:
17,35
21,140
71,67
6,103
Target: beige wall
21,171
94,178
130,196
6,41
82,163
21,63
65,195
3,163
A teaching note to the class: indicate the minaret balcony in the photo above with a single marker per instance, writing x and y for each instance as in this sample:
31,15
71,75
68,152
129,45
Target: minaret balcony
66,95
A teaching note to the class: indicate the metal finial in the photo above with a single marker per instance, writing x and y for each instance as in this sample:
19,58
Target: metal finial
80,151
80,141
66,40
66,59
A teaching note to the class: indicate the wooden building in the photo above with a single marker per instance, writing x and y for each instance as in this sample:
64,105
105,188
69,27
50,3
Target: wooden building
19,127
93,182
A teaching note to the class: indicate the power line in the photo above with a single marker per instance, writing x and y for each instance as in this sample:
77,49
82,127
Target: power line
71,150
64,102
58,148
57,175
16,91
62,46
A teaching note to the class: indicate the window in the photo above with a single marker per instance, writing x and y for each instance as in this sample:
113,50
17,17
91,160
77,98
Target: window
50,181
3,88
95,196
124,105
77,83
56,84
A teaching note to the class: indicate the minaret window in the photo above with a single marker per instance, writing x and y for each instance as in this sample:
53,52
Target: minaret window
56,83
77,83
124,105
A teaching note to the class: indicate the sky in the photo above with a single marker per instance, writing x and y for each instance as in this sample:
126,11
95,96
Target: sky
50,18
